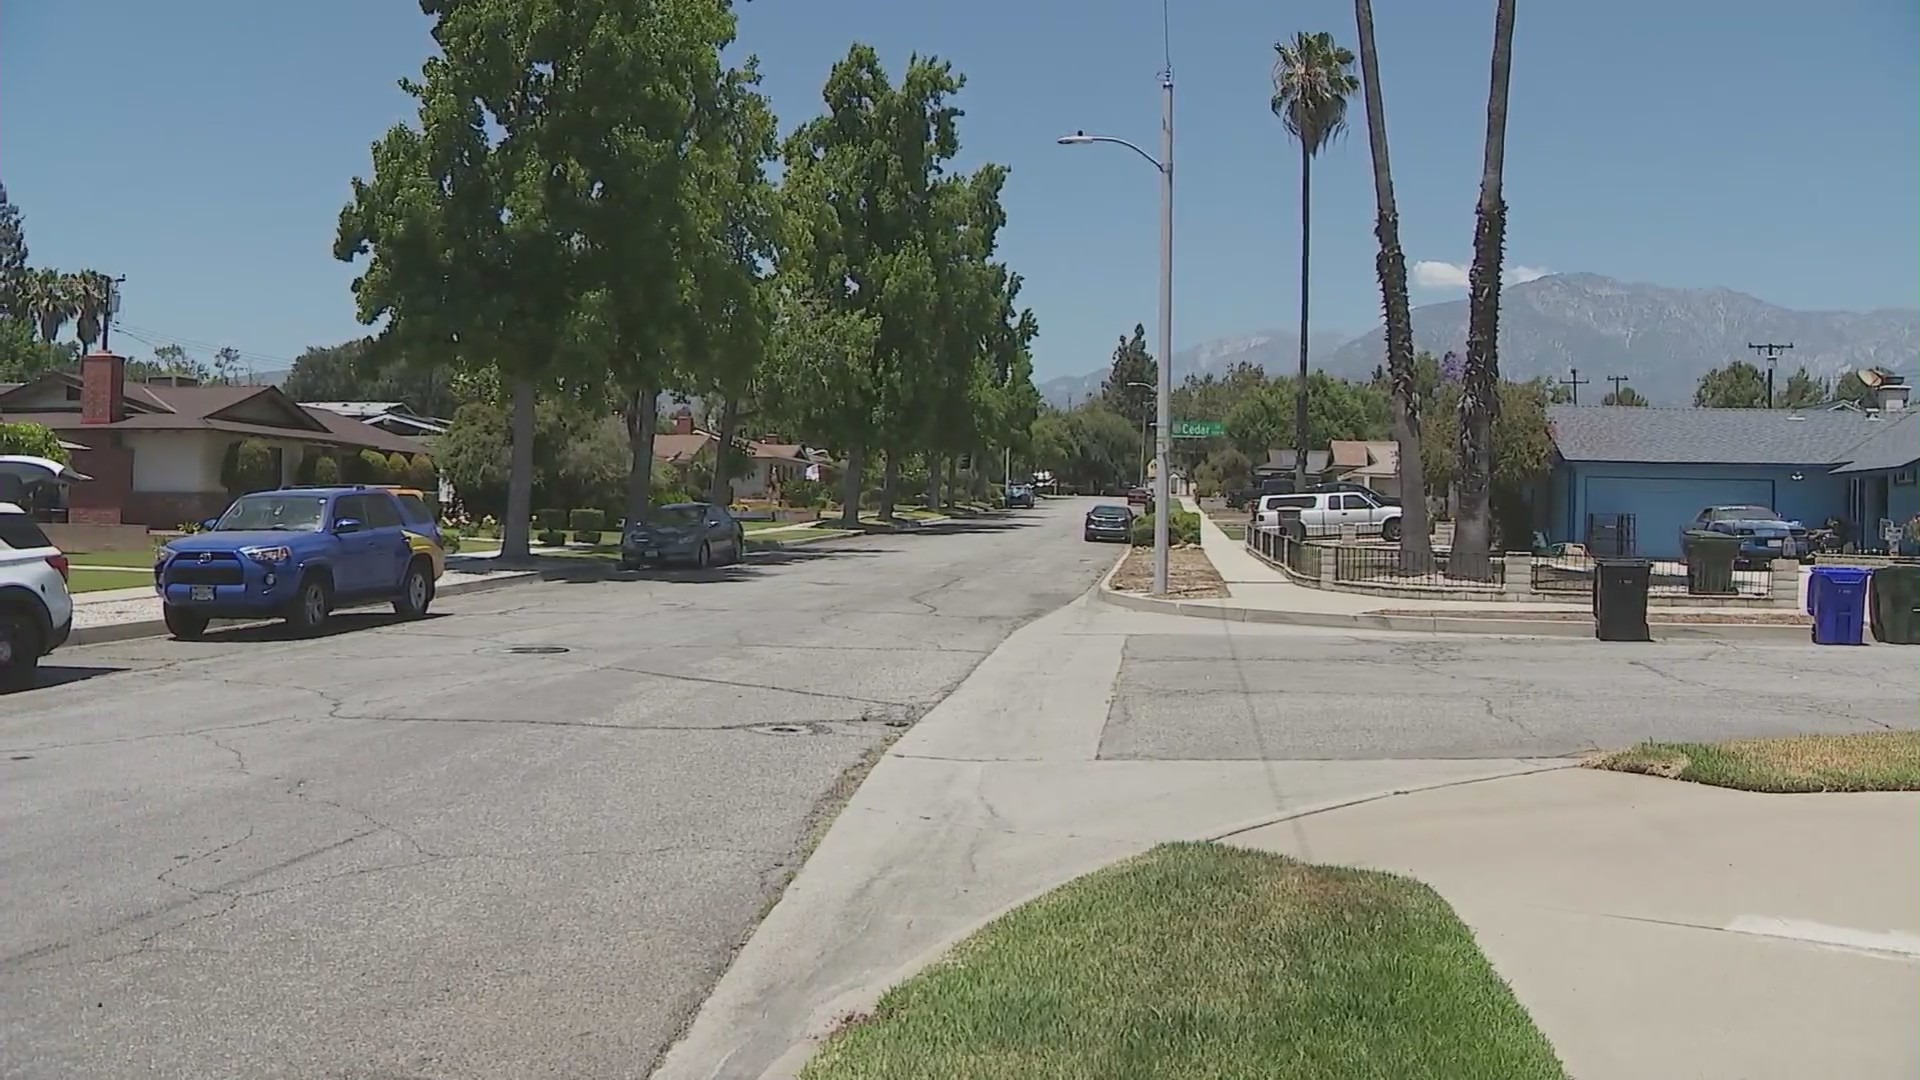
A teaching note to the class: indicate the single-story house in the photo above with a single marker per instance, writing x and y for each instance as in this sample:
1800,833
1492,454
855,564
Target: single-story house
1279,463
392,417
1373,463
1647,472
772,461
156,451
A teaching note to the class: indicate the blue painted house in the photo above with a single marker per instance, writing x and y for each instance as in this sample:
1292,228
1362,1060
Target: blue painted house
1650,471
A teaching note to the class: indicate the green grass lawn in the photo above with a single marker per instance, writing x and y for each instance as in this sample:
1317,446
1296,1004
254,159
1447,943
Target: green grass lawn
1235,530
1201,961
141,560
1871,761
80,581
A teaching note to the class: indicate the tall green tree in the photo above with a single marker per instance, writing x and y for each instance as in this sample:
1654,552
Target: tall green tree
1390,266
1480,384
1132,376
862,199
1803,391
1312,82
49,301
91,292
13,260
1739,385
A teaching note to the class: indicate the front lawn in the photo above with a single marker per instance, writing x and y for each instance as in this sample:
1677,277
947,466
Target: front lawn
1202,961
80,581
134,560
1869,761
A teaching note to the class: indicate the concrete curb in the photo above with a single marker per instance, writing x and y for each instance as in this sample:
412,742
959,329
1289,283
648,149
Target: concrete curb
1440,624
145,628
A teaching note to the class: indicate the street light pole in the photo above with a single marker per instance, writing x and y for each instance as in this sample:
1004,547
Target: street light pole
1163,483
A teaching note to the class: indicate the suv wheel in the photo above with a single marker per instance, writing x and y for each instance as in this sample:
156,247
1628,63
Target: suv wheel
416,592
705,557
310,608
19,651
185,625
1390,530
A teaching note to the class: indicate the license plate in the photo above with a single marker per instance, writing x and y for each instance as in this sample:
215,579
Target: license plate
1773,543
202,592
650,553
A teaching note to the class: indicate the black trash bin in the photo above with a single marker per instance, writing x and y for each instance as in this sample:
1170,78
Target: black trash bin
1620,599
1710,561
1893,604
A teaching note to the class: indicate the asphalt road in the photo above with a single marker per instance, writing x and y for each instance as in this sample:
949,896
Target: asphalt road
411,851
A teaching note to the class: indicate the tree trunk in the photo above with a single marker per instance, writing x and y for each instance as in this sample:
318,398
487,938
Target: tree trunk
514,532
1300,439
642,418
1390,265
933,480
725,459
850,487
1480,391
953,480
889,483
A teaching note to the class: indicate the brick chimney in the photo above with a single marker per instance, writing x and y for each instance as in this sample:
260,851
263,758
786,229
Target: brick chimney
103,388
683,422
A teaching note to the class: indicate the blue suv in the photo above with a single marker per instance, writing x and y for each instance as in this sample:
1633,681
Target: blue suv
297,554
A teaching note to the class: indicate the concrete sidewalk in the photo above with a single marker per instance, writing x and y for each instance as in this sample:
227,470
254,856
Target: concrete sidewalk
1663,929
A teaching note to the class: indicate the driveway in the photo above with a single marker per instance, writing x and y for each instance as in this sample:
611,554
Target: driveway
520,839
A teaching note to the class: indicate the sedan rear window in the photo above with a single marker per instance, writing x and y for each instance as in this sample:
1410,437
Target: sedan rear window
1114,512
19,532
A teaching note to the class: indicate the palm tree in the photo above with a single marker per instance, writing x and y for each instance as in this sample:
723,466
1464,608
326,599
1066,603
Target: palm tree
1480,385
49,302
1416,547
92,291
1312,81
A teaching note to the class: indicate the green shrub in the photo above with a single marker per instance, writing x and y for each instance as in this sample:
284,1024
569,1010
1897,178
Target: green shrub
668,496
326,471
1183,528
552,537
31,439
450,540
803,494
397,470
586,536
587,520
550,520
421,474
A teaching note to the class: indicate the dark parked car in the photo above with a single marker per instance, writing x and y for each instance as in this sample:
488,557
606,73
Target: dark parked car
1764,535
694,534
1109,523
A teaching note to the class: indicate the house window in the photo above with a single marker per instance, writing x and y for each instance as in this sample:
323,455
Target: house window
1903,477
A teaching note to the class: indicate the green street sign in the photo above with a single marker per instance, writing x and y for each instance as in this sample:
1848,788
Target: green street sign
1198,429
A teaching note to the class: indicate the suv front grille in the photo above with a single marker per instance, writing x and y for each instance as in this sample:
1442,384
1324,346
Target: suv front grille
221,569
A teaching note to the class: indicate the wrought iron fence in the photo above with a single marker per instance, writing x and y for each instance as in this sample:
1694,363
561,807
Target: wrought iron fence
1278,546
1574,574
1380,565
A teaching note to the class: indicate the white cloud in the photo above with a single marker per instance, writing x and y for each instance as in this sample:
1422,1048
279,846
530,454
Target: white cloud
1434,274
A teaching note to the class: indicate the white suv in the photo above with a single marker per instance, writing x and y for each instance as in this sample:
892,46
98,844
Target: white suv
36,612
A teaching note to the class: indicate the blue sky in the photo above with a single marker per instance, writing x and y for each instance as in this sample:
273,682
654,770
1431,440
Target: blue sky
204,149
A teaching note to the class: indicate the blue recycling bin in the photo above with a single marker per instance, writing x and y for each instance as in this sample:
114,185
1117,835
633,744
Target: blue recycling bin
1837,600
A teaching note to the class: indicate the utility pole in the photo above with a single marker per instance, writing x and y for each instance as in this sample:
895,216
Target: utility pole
1575,383
1618,381
1772,353
113,308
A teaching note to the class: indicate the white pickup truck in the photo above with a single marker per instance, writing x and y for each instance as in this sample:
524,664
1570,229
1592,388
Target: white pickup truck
1323,513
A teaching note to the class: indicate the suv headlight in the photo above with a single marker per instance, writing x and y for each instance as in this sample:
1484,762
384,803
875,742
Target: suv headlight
278,554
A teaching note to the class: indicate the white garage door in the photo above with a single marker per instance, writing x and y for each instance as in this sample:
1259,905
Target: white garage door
1662,508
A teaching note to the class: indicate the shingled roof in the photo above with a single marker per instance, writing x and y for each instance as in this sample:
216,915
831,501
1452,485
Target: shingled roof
1723,436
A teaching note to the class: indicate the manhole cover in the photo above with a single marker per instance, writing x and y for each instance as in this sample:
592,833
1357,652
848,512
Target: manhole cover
536,650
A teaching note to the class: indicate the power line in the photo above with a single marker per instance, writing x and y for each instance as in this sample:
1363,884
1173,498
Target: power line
1618,381
1772,353
1576,382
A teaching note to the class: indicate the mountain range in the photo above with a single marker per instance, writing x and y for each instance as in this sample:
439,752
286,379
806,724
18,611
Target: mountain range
1662,339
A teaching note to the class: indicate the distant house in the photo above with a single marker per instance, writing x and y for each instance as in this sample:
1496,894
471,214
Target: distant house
1279,463
1650,471
157,452
392,417
1374,463
772,461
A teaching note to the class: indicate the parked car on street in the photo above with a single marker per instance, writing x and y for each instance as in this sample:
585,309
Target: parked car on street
36,612
1107,522
1139,496
296,554
695,534
1019,496
1764,535
1324,513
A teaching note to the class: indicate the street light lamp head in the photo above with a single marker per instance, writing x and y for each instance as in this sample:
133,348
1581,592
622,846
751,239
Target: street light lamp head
1075,139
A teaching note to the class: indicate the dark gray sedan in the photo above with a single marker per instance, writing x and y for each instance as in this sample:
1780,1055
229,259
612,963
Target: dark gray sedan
1110,523
691,534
